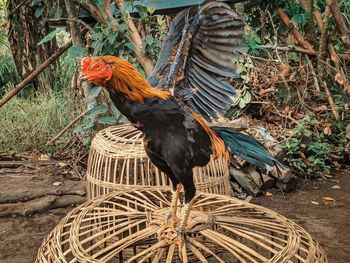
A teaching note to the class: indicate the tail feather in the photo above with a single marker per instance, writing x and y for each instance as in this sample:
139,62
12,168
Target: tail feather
247,148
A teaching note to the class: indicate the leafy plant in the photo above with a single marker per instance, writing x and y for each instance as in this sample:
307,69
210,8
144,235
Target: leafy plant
253,40
8,73
243,95
27,124
3,36
308,151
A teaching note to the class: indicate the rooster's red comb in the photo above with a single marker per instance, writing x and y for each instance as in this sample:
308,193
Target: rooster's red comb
85,62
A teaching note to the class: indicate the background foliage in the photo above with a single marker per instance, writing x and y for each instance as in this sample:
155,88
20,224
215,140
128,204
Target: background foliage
309,147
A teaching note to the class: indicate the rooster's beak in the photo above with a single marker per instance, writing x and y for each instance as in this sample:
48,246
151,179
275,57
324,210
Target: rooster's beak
82,77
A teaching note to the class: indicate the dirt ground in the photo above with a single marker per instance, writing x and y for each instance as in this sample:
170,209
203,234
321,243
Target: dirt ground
328,221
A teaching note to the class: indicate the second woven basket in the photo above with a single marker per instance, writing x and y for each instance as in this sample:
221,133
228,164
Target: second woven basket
118,161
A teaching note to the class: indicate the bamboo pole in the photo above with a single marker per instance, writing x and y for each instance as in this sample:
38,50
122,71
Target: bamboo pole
34,73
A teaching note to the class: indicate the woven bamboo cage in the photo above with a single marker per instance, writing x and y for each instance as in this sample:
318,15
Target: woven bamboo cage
118,161
119,227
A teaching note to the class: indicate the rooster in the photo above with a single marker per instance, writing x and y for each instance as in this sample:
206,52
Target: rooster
186,90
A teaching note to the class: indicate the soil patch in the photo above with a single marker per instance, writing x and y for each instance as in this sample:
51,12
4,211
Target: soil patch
328,221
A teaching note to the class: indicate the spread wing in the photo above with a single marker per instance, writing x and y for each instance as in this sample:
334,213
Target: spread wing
199,55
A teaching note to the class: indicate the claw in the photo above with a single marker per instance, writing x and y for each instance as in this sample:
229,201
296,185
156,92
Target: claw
180,239
170,225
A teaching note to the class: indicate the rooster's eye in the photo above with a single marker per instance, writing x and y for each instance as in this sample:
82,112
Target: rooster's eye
98,67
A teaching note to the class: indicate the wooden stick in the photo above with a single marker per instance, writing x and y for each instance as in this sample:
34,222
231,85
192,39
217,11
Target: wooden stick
317,85
341,23
289,48
331,101
344,56
66,128
305,44
34,73
16,164
323,38
318,19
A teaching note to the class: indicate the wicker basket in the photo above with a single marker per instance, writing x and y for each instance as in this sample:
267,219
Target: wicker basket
118,228
118,161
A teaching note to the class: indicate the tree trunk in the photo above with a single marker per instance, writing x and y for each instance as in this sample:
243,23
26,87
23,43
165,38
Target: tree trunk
23,39
341,24
310,33
74,28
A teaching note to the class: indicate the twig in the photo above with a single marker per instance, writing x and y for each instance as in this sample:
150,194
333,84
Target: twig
323,38
305,44
264,59
275,37
276,111
318,19
67,128
18,6
331,101
288,48
34,73
317,85
87,26
16,164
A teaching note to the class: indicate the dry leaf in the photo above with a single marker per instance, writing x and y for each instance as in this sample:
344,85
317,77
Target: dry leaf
334,57
339,77
348,132
268,194
336,187
320,108
315,203
328,198
327,131
44,157
347,88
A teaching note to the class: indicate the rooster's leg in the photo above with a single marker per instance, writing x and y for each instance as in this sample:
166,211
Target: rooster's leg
184,218
174,201
172,214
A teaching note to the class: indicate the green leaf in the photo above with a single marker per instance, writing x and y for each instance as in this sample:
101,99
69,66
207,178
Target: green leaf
39,11
239,68
36,2
99,109
242,104
50,36
111,38
130,46
86,141
93,93
127,6
151,10
247,97
123,26
97,47
100,4
149,39
74,53
58,12
107,120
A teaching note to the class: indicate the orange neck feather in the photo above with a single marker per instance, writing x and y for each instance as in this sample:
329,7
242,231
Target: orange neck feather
218,145
127,80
